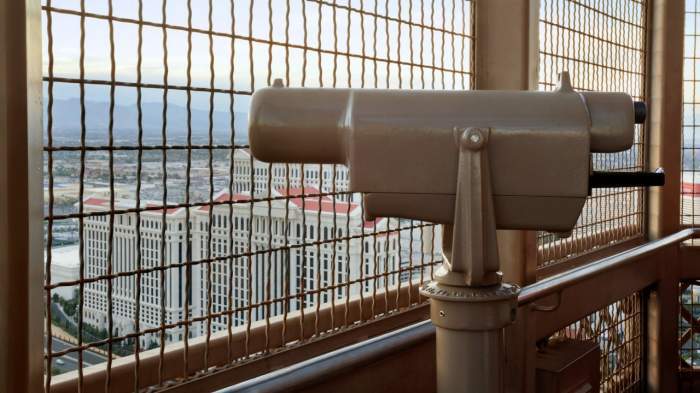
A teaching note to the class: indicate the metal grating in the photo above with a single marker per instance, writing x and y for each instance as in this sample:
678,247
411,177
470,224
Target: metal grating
603,46
159,225
689,312
688,336
690,155
688,323
617,328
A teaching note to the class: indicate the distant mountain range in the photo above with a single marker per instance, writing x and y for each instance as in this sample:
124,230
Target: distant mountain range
67,125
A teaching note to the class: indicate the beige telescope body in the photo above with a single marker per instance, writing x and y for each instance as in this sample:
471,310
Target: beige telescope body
402,147
472,160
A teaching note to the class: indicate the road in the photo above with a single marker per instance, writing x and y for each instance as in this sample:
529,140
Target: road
70,360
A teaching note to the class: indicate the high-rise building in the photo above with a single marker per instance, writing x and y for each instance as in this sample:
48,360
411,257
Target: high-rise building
254,255
273,246
278,253
159,247
690,198
281,176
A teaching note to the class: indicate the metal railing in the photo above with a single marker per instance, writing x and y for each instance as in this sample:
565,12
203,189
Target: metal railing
622,364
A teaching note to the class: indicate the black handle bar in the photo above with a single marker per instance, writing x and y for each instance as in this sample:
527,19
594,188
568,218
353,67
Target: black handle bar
626,179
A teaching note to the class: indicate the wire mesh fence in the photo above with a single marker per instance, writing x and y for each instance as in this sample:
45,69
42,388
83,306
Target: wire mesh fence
603,46
617,328
689,343
160,226
688,339
690,155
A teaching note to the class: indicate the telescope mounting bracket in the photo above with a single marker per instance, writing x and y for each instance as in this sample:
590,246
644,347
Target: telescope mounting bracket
470,249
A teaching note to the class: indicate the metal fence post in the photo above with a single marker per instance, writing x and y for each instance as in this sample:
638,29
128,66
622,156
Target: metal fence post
21,278
506,46
665,85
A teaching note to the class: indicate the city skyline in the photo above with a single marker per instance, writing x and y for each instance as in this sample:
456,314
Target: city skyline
322,252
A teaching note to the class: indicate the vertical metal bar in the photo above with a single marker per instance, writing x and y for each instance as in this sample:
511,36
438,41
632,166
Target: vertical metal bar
334,169
361,265
399,270
432,43
375,265
334,244
139,163
410,263
317,260
505,58
665,150
50,221
110,239
317,238
232,248
442,48
345,290
286,255
388,44
188,223
21,233
268,289
303,271
81,195
453,65
210,240
398,45
347,259
374,45
164,168
385,273
301,276
666,114
249,267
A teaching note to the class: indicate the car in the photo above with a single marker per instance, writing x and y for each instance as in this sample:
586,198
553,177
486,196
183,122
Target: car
60,362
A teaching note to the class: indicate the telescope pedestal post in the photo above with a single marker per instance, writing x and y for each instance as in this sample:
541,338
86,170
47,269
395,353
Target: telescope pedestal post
469,326
469,305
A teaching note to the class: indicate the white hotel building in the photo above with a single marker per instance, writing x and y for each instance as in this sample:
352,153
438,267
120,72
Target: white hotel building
690,198
125,259
267,277
239,229
294,173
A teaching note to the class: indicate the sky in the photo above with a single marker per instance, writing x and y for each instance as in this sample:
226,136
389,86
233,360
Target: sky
381,40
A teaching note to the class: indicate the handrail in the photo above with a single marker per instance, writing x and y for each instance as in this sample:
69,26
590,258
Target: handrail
557,283
221,347
306,373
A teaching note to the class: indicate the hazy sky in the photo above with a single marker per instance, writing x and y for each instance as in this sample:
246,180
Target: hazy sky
381,41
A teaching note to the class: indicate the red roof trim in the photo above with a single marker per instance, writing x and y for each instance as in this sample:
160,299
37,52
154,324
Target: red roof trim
226,197
92,201
690,188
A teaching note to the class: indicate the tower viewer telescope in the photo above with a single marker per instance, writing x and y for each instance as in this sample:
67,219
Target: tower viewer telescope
475,161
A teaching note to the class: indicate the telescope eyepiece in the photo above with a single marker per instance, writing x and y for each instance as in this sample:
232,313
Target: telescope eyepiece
640,112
